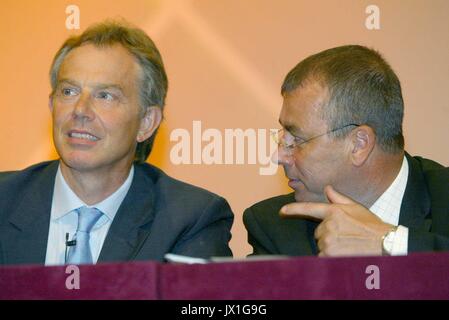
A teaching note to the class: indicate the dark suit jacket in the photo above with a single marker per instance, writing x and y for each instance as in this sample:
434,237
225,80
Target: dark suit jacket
424,210
158,215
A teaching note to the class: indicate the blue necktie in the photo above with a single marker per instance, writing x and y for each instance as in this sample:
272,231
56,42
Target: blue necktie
80,253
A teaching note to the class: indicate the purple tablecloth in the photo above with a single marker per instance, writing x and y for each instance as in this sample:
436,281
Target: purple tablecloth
417,276
102,281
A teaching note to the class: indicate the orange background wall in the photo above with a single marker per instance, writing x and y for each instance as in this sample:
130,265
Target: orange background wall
225,61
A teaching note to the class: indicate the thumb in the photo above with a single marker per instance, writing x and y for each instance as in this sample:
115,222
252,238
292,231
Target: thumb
334,197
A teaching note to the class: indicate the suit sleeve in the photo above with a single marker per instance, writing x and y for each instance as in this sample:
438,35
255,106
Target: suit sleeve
210,235
1,255
421,241
438,237
257,238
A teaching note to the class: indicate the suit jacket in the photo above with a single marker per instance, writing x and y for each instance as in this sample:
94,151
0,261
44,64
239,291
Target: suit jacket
158,215
424,210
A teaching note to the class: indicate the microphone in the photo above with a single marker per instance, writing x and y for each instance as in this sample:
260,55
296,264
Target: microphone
68,244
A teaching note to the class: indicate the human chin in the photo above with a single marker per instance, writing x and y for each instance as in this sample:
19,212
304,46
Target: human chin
78,159
302,194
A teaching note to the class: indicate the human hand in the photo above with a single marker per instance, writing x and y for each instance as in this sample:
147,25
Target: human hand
347,228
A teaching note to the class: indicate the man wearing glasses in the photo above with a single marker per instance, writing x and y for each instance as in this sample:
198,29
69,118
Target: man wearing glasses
356,191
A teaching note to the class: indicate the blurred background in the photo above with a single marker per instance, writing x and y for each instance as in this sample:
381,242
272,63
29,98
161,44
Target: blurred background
225,61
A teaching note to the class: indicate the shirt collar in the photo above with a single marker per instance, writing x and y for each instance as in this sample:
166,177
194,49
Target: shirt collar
65,200
388,206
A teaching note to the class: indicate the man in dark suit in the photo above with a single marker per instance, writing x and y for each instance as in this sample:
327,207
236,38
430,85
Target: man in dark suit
356,191
101,201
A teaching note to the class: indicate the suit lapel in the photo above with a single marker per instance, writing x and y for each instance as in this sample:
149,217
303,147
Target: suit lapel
31,220
415,205
131,225
298,237
28,235
297,234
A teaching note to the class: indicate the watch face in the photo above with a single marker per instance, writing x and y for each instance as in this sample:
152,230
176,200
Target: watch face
387,244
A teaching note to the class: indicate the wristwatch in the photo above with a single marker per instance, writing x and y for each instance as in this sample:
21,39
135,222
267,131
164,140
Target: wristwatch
388,241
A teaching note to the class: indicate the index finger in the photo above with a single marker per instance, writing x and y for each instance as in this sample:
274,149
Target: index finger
311,210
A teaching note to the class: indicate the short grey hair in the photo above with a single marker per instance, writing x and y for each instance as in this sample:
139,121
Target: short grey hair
153,82
363,89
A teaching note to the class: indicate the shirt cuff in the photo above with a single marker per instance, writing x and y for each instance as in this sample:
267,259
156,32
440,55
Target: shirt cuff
400,243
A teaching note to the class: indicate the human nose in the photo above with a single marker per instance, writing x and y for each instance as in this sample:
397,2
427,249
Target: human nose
282,156
83,107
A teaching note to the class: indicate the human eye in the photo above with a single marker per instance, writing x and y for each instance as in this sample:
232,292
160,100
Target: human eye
105,95
298,140
292,139
66,91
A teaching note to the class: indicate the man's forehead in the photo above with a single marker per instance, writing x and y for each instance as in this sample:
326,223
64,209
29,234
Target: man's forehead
109,64
303,104
310,94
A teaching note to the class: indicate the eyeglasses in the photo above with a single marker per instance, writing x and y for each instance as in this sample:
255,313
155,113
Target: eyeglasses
289,141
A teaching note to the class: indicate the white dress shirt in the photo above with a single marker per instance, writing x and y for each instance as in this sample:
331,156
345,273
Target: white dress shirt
64,218
388,207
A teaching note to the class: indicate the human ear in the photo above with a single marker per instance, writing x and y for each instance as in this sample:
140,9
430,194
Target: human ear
363,140
149,123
